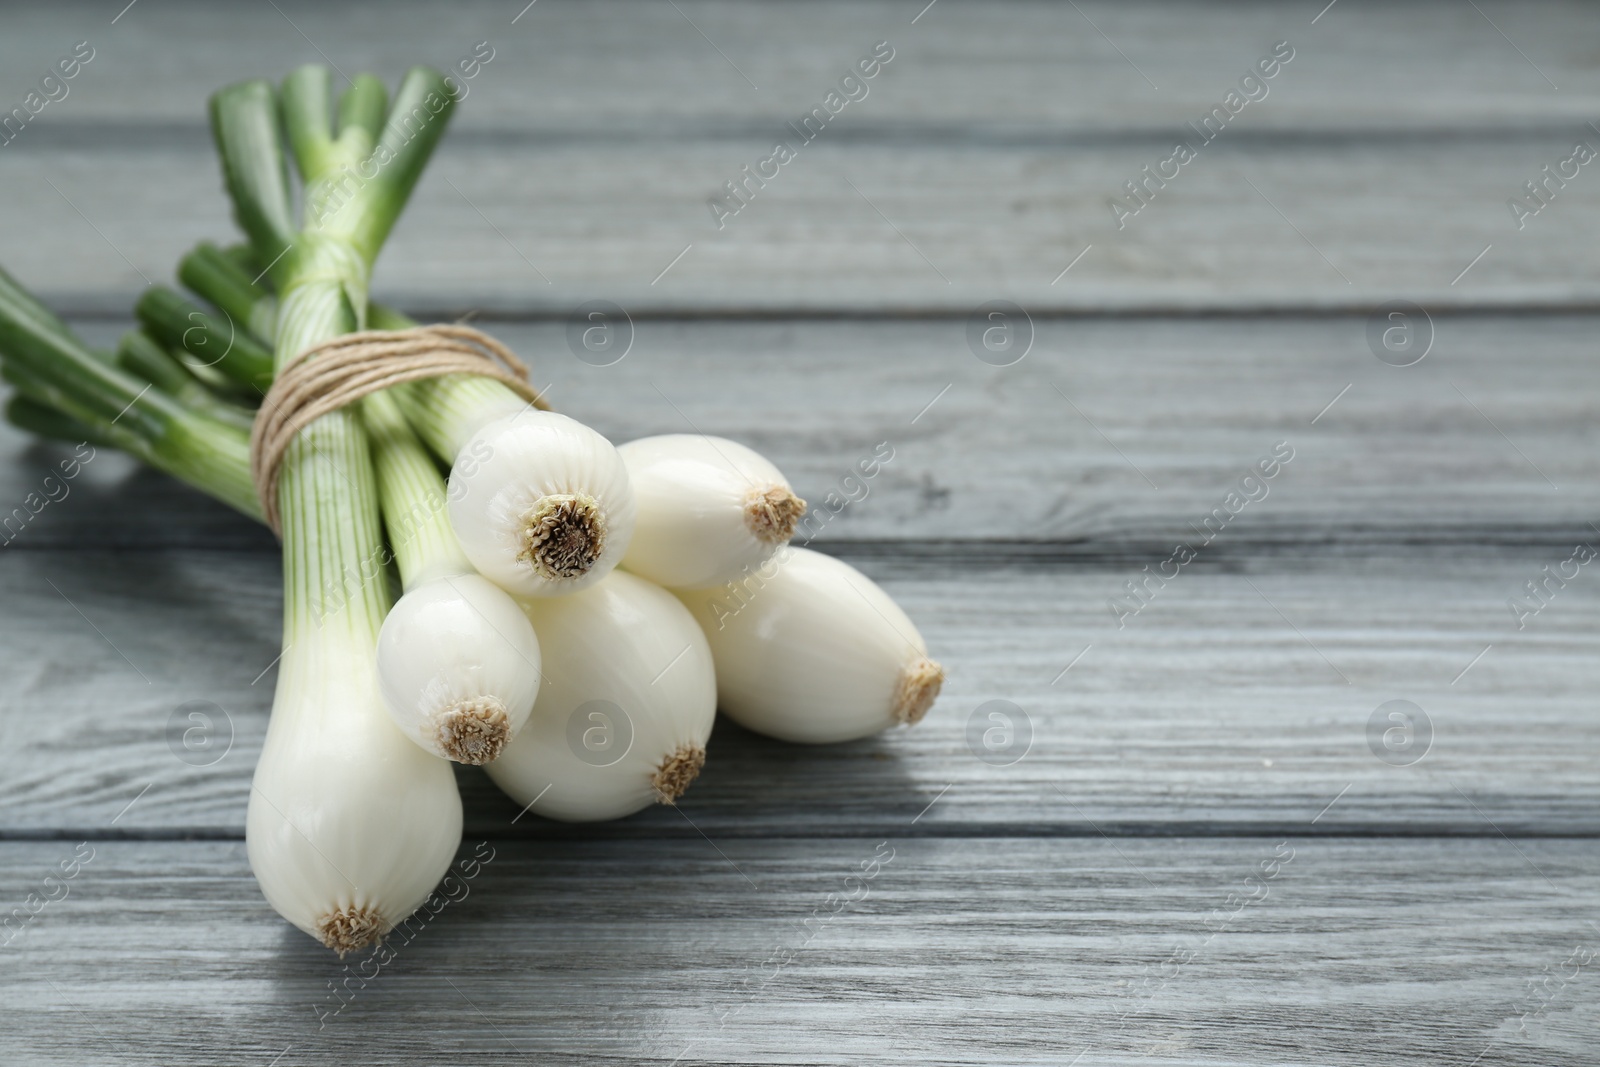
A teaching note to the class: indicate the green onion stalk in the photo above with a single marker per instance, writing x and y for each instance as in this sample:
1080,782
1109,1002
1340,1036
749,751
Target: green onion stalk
222,355
458,661
350,825
445,411
65,389
143,357
230,279
42,420
540,503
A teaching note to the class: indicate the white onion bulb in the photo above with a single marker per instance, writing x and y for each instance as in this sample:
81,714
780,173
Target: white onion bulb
709,510
458,665
350,826
625,710
810,649
541,503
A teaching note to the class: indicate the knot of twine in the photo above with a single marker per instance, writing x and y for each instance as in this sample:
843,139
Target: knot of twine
340,371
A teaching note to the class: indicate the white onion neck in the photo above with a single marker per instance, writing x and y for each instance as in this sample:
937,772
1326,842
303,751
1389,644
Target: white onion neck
446,412
413,496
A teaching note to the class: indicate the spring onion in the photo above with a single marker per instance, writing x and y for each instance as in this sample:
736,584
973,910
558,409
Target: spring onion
810,649
216,351
43,420
626,707
540,502
54,368
222,277
350,825
588,692
139,355
458,661
709,509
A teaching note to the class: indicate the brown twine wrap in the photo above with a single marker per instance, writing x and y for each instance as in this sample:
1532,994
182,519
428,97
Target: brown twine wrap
347,368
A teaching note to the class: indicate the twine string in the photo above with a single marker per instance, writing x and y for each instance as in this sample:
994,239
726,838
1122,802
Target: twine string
342,370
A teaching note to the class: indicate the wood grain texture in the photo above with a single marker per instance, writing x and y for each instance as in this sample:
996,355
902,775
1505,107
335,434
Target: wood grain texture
622,67
1007,950
539,229
1080,904
1117,435
978,168
1239,699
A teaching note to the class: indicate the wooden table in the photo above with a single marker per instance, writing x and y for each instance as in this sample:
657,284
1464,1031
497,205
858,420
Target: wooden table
1205,839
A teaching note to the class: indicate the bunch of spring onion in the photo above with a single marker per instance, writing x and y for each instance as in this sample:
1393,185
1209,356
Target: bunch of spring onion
587,691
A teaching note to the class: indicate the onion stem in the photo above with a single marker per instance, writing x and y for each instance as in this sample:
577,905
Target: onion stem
445,412
42,420
218,351
139,355
54,367
220,278
412,494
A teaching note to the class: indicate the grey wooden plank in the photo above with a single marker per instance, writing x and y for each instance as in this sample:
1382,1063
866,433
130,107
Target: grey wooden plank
535,228
604,217
1247,696
1358,952
568,67
1116,435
